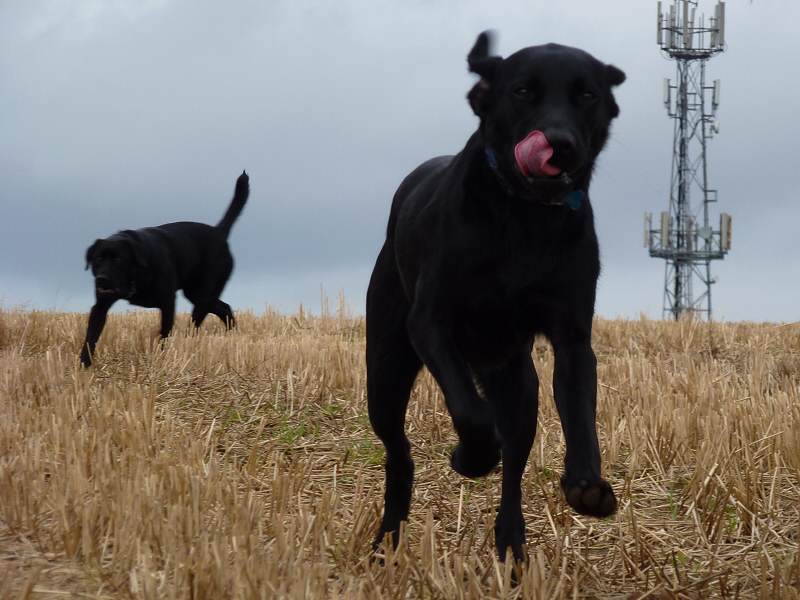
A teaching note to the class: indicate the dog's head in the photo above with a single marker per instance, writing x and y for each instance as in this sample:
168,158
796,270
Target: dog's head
545,111
117,264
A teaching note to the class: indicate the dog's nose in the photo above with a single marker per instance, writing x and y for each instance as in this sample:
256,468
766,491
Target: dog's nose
565,149
103,282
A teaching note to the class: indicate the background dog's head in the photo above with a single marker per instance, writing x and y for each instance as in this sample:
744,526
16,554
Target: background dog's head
117,264
542,99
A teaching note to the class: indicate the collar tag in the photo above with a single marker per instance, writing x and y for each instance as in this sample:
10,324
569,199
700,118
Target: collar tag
574,199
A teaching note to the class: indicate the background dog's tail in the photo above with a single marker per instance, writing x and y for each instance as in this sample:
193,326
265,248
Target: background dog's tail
240,195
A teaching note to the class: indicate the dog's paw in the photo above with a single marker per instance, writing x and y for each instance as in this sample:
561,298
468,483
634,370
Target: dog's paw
86,359
594,499
509,535
383,544
475,459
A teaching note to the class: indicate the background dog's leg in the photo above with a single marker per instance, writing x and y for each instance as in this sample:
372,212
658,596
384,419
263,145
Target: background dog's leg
199,313
205,292
97,320
513,392
217,307
575,390
224,312
478,450
392,367
167,316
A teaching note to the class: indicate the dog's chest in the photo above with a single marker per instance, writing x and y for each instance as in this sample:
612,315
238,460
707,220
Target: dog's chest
519,289
516,273
507,304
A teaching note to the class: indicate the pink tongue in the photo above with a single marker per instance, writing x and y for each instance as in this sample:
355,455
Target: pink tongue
532,155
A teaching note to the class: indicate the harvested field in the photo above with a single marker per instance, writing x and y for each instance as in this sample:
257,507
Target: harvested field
242,465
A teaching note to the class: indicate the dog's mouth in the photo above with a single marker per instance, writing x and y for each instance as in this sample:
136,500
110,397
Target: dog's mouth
533,157
552,185
102,290
553,182
538,178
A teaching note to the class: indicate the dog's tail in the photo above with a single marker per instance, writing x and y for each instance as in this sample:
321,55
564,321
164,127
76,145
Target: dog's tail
240,195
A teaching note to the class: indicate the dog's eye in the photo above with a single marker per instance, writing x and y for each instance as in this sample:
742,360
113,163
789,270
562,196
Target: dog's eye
522,92
588,97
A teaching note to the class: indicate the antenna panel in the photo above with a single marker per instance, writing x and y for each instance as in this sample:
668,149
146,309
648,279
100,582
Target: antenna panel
672,26
687,32
659,29
725,231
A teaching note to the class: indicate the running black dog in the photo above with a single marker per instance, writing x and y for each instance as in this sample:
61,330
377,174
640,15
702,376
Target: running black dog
485,250
147,266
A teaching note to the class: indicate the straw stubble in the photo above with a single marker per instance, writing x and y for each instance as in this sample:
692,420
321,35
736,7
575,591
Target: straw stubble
242,465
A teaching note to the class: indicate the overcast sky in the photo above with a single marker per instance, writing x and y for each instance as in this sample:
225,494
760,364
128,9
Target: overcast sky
129,113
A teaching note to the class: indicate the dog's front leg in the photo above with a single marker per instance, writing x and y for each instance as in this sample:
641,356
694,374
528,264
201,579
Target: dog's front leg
575,390
430,332
97,320
167,316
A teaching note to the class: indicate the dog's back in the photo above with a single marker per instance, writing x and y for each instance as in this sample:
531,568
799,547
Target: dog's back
188,246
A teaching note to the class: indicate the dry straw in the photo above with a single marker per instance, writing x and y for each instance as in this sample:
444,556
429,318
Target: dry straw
242,465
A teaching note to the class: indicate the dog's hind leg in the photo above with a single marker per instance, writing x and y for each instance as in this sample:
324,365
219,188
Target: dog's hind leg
224,312
199,313
392,367
216,307
513,392
204,293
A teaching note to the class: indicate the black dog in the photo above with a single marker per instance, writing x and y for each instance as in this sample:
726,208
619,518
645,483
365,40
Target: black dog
147,266
484,250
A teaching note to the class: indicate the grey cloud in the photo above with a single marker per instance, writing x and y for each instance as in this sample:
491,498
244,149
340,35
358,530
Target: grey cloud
126,114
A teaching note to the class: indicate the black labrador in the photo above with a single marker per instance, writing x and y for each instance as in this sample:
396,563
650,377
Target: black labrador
148,266
485,250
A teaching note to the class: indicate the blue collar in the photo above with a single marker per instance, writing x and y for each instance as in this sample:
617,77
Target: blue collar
572,200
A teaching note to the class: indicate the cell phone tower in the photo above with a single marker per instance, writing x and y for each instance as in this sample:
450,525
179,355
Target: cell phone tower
685,236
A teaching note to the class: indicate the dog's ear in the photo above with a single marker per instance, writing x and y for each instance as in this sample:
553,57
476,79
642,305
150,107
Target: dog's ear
90,253
481,63
614,76
139,257
479,59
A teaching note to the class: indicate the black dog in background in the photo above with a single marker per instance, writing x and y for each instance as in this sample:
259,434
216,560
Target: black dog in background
147,266
485,250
